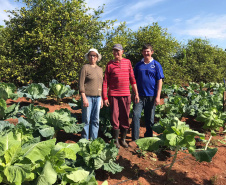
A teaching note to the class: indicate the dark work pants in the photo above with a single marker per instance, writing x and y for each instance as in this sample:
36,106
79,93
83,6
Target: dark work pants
120,108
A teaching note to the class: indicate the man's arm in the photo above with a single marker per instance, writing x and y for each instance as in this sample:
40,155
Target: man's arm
136,98
159,86
105,87
133,83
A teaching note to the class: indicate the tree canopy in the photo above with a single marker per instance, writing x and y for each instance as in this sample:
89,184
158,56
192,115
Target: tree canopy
47,39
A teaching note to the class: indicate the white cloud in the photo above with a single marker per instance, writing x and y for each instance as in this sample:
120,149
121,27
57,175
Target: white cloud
96,3
178,20
142,21
8,5
5,5
133,8
135,13
209,26
108,8
111,9
138,17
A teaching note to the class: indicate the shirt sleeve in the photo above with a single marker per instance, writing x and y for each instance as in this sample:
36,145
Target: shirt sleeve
131,73
82,80
159,69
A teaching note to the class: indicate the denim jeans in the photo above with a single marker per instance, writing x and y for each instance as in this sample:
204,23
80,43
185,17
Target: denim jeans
90,116
146,103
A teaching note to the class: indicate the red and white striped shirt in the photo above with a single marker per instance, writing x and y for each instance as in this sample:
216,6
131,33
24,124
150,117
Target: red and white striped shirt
117,79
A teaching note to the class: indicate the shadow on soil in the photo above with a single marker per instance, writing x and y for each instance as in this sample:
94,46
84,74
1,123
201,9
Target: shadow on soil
135,175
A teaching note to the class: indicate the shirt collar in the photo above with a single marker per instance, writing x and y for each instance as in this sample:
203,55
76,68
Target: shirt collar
148,62
116,61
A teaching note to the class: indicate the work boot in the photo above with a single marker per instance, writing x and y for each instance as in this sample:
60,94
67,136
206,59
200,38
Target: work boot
115,137
123,138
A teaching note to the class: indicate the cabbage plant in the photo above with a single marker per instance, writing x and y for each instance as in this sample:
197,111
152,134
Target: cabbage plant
39,163
7,112
34,91
10,91
47,124
177,136
60,90
97,154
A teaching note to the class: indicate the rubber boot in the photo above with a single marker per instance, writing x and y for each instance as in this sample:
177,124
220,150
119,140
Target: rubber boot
115,137
123,139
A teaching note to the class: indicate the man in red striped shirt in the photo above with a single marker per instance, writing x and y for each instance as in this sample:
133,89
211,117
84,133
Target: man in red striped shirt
117,79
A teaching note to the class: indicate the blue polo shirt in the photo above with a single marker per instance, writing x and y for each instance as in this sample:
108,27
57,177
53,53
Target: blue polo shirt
147,76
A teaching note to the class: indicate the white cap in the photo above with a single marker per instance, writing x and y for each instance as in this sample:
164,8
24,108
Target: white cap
99,55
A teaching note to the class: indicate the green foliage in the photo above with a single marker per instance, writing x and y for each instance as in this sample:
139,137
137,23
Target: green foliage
164,46
34,114
33,91
176,135
23,132
5,127
212,119
98,154
76,104
190,100
149,143
120,34
47,39
48,124
9,89
15,169
39,163
105,126
60,90
204,101
205,155
202,62
3,93
62,119
7,112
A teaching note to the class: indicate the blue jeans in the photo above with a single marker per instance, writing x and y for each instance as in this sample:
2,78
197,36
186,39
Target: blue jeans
90,116
148,104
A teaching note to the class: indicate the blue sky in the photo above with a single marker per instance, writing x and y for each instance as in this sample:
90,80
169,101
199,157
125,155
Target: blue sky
184,19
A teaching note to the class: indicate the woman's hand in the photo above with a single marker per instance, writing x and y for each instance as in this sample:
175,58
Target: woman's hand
85,102
101,104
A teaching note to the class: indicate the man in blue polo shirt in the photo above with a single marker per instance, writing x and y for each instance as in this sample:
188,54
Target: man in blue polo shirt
149,74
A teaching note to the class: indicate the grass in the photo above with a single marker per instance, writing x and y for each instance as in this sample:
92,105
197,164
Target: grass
213,180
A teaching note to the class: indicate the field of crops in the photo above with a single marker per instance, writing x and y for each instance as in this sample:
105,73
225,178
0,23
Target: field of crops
43,144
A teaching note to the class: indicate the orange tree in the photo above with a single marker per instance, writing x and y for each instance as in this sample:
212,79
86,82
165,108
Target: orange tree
47,39
202,62
165,46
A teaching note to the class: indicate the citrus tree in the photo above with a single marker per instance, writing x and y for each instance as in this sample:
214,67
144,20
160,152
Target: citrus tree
47,39
202,62
164,46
